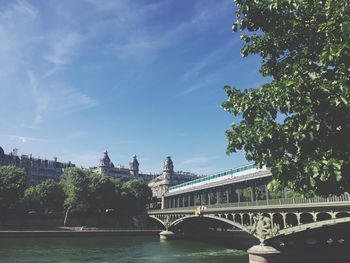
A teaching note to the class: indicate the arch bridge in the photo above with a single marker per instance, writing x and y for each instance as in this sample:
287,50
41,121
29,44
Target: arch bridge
266,220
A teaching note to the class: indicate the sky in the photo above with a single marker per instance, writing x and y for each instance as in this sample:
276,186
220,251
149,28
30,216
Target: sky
132,77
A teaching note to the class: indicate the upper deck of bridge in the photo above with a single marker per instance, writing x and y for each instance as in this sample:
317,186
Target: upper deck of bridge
244,173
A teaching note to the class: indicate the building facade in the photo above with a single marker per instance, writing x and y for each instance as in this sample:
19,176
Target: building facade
157,182
37,169
168,178
107,168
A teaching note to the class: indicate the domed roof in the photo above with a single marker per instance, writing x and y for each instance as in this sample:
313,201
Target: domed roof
105,161
168,165
134,164
2,151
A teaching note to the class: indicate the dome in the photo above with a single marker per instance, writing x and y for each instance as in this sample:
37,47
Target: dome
168,165
134,165
105,161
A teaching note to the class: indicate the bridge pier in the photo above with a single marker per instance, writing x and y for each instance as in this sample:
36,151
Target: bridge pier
265,254
166,235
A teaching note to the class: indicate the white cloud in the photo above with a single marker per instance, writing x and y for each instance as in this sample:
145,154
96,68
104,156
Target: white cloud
85,159
15,32
25,8
22,139
198,160
135,38
57,98
63,48
19,9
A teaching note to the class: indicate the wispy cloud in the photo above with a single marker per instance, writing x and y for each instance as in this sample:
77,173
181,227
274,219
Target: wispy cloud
85,159
57,98
133,41
16,20
63,48
22,139
19,8
200,164
25,8
198,160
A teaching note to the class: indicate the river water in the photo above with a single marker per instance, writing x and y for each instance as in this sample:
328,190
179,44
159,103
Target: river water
130,249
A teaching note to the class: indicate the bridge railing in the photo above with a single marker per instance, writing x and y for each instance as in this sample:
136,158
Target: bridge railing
274,202
208,178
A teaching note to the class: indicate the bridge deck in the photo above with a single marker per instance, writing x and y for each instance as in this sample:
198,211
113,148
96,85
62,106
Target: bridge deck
218,183
286,203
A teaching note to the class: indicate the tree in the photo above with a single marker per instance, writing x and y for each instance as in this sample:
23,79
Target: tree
44,197
299,123
75,187
88,192
103,192
135,195
12,185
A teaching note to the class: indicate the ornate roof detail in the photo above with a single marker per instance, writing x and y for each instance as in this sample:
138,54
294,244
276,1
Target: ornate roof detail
134,165
168,165
105,161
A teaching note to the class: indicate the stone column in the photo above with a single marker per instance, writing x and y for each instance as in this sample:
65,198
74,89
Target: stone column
163,202
238,192
298,218
252,193
183,201
202,198
218,196
227,196
189,200
266,192
195,199
221,196
166,235
264,254
209,197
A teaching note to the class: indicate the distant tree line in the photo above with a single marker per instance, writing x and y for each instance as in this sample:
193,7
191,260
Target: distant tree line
78,191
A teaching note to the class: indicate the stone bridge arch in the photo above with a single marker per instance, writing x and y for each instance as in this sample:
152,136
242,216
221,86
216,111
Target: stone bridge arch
263,226
158,220
168,224
310,226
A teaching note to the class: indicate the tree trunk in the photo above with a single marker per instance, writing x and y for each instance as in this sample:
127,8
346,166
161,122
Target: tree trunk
66,216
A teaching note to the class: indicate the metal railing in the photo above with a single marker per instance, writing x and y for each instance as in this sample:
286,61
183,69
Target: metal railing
210,184
270,202
214,176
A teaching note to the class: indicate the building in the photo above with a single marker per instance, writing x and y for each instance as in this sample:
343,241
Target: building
168,178
157,182
107,168
37,169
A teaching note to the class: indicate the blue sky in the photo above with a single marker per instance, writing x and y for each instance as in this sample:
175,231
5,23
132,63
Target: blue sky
133,77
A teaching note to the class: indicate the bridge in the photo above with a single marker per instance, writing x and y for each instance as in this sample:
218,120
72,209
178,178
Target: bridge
239,198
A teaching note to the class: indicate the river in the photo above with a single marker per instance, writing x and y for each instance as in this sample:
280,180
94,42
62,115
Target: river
130,249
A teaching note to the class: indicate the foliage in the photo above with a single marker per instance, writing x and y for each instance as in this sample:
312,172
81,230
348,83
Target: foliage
299,123
88,192
75,187
12,185
78,190
44,197
103,192
135,195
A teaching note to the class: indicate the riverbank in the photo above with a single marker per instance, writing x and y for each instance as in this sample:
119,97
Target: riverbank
75,232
